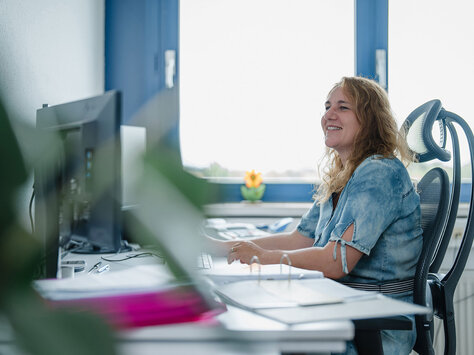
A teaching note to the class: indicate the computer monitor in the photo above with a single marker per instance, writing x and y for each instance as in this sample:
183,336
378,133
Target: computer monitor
78,190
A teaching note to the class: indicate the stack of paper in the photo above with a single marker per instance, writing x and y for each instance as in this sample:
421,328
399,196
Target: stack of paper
137,278
140,296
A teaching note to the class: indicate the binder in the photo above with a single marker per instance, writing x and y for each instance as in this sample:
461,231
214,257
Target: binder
305,301
221,272
283,292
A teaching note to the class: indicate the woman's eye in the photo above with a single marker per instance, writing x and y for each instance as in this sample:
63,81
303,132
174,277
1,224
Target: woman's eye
327,108
343,108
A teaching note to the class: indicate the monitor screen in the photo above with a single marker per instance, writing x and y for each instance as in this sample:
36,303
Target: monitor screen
78,191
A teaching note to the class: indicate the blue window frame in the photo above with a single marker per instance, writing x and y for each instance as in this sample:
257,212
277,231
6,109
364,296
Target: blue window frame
371,22
138,33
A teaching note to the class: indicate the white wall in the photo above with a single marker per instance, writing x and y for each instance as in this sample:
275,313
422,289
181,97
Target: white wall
51,51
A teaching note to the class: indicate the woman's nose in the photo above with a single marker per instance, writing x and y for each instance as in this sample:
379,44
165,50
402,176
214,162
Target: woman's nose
329,115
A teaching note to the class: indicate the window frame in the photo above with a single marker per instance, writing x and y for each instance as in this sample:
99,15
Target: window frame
139,74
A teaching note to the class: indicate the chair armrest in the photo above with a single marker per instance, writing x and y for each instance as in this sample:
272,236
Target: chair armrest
394,323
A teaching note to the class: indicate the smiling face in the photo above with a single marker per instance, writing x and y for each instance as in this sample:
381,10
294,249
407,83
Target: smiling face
340,124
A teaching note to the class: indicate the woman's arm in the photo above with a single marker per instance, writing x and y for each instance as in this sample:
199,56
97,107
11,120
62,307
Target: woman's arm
287,241
284,241
305,257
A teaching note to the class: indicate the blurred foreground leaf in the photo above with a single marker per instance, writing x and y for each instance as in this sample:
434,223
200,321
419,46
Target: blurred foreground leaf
19,258
13,174
15,247
168,163
43,331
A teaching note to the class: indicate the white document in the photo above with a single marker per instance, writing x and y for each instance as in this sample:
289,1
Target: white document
377,307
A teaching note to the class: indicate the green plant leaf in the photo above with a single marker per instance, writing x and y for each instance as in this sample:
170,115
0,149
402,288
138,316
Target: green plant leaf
43,331
198,191
14,173
37,329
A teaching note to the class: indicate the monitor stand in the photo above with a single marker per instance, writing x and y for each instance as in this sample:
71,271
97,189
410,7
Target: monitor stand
80,245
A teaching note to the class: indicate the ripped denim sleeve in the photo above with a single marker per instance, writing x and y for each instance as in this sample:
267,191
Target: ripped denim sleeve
343,254
336,237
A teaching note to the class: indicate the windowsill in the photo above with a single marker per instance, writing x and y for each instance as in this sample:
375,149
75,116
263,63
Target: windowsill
257,209
275,209
268,180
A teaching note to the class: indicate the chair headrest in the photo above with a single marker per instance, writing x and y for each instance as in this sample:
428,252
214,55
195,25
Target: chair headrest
419,132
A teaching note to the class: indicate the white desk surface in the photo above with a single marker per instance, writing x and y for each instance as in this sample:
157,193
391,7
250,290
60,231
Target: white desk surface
237,332
246,332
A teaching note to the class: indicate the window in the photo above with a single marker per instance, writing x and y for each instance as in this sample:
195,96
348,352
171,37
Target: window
431,56
254,76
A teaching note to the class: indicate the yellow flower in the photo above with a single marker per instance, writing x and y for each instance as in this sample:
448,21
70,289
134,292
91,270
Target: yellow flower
253,179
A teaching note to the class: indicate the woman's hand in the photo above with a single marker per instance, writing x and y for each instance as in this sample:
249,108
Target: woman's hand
245,251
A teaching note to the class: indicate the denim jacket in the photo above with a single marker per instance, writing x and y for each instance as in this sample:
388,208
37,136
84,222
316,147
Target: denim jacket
381,202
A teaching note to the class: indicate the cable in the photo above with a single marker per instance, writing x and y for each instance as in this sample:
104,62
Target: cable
72,245
131,256
30,208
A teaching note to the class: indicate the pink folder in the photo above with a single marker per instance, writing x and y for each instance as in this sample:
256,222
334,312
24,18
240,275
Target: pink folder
174,305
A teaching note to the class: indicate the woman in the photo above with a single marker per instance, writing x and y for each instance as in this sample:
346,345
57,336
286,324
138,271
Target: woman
364,227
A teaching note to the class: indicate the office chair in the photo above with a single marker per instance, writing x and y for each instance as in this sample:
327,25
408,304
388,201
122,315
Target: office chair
440,290
439,206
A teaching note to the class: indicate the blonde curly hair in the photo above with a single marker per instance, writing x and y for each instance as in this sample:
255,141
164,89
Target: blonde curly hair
378,134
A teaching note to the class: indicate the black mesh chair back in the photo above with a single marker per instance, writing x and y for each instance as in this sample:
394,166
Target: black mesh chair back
434,202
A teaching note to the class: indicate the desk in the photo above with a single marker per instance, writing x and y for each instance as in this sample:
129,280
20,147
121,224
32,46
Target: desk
236,332
240,332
